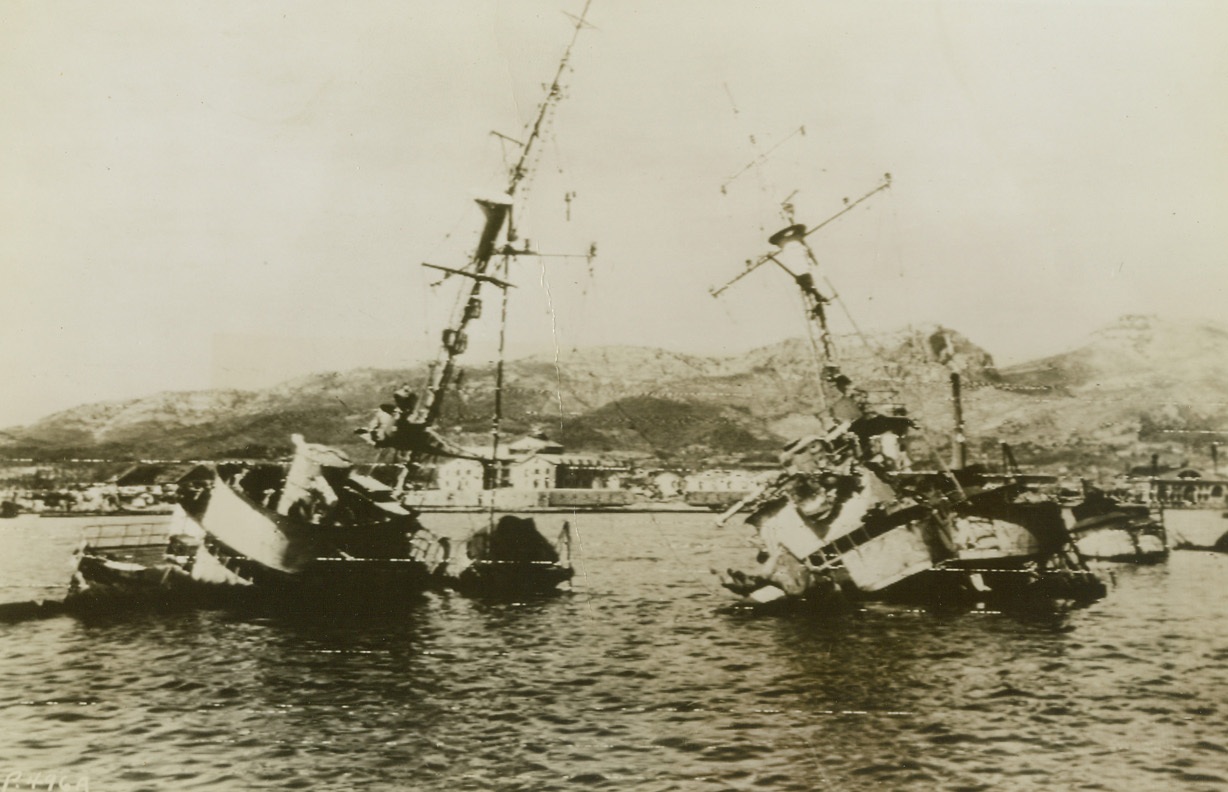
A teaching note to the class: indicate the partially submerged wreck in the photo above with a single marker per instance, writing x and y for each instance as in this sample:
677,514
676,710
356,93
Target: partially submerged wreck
316,528
1105,528
837,528
509,558
848,520
321,531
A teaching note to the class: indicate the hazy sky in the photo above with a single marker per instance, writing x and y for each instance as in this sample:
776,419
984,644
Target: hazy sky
215,194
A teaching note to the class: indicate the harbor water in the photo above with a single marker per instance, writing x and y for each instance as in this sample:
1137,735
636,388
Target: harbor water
643,676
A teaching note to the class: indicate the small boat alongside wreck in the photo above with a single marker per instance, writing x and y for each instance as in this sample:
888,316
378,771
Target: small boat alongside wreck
847,520
508,559
318,531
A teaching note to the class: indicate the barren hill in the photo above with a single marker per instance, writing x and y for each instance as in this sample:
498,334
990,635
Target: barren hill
1140,385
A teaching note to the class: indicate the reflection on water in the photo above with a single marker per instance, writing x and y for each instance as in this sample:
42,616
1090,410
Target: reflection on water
642,677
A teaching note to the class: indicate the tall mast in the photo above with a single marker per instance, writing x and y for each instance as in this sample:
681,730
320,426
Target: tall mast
496,424
498,214
816,302
959,458
519,171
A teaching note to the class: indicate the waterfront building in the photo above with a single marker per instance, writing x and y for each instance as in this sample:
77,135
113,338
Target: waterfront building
1189,488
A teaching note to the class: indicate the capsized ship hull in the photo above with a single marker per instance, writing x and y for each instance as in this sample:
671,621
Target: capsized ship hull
847,519
847,533
317,533
379,557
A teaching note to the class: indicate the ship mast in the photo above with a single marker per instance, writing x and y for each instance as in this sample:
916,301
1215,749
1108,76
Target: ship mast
498,214
816,301
959,452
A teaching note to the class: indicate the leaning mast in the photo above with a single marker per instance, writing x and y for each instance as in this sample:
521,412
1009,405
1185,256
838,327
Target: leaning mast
816,301
498,214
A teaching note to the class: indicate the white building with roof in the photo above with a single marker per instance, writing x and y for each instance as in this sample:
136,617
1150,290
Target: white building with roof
529,463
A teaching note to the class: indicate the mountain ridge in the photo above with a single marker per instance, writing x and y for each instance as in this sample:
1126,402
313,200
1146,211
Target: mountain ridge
1138,384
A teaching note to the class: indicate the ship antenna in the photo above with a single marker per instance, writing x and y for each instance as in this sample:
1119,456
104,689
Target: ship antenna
761,158
520,169
498,219
496,423
796,232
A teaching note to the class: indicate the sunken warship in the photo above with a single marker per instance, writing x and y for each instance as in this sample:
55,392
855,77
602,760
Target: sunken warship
848,519
319,531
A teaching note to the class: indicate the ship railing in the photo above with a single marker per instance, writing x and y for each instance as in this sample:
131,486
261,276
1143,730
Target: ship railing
112,536
427,548
505,562
821,561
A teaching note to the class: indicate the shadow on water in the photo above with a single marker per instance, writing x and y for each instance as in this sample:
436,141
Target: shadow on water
1053,617
873,656
12,612
307,605
302,607
512,603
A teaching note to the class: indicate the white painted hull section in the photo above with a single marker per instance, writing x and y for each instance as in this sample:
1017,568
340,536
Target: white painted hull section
235,522
1118,543
981,538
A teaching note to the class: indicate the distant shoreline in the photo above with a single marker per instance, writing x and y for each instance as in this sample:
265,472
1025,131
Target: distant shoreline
636,508
660,508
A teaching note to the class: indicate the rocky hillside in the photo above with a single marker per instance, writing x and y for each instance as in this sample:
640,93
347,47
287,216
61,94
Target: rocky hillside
1138,386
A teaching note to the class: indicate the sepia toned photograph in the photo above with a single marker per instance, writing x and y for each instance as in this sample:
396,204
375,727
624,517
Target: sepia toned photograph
666,396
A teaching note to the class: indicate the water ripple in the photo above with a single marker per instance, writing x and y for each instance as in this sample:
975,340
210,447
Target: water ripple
644,678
